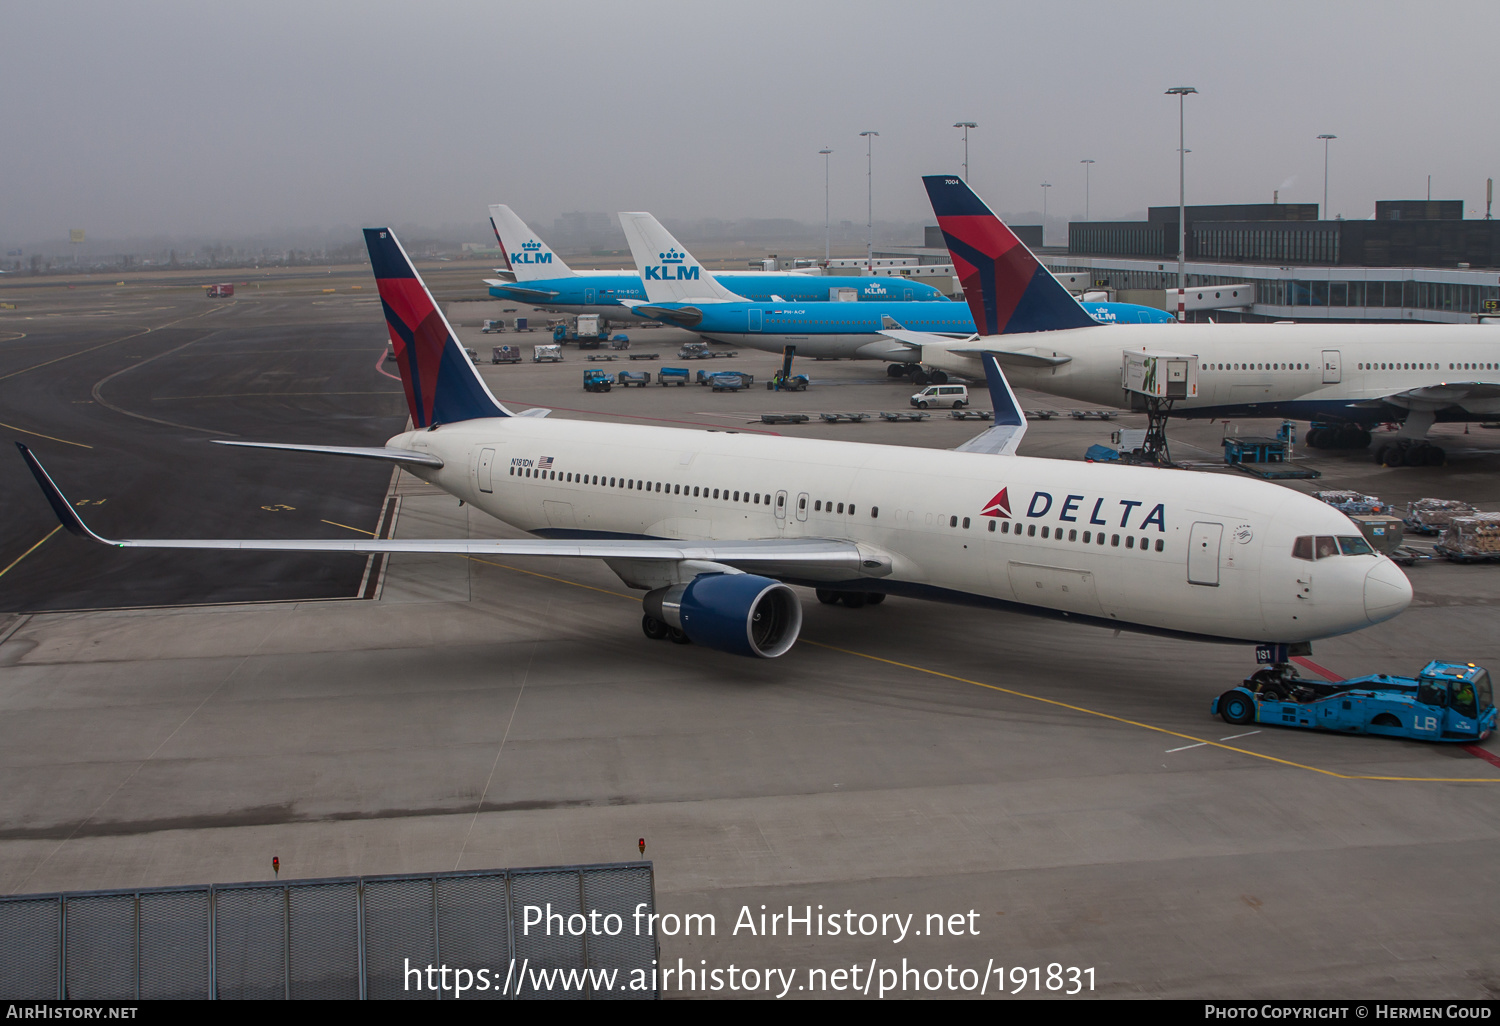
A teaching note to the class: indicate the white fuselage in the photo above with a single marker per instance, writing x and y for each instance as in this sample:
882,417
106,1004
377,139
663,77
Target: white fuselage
1245,365
924,509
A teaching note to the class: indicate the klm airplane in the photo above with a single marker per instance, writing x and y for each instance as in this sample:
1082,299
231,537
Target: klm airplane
678,293
542,280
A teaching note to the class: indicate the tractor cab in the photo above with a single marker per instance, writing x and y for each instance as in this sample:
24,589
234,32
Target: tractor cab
1461,696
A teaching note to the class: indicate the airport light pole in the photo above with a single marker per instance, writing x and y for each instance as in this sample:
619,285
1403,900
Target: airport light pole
965,125
1326,140
1086,169
1045,187
869,138
1181,92
825,151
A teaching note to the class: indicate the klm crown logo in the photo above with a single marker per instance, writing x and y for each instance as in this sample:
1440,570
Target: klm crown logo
531,254
672,267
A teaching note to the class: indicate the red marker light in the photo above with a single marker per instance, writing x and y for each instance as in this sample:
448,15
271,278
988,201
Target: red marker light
643,845
275,865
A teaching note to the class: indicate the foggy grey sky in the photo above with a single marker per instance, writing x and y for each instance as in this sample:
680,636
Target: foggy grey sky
152,117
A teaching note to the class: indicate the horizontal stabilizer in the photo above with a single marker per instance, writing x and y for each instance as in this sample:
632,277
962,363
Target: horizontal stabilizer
520,292
423,459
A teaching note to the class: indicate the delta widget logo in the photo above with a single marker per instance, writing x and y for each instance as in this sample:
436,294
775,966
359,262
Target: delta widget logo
999,506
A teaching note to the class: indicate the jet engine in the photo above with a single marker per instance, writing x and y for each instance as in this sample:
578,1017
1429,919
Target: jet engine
742,614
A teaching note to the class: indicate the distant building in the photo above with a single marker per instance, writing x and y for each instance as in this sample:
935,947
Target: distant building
1416,260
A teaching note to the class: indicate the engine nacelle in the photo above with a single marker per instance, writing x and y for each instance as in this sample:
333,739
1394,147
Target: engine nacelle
742,614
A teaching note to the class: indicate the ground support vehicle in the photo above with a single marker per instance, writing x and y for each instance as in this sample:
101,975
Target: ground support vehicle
643,356
492,326
904,415
955,396
1434,516
620,342
1093,414
852,418
601,358
628,378
471,354
546,354
1443,702
972,414
1471,539
220,291
730,381
672,376
701,351
1101,454
787,383
784,418
1351,503
596,380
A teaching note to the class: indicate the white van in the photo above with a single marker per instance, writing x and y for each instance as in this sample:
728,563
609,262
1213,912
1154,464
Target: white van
956,396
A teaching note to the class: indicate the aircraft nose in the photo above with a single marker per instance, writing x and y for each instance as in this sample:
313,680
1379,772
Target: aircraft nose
1387,591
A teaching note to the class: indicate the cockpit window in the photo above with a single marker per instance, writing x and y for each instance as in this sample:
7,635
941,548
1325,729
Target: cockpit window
1302,548
1325,546
1355,546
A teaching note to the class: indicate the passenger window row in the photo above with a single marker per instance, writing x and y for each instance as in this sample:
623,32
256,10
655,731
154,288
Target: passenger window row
1256,366
1325,546
1089,537
1408,366
634,484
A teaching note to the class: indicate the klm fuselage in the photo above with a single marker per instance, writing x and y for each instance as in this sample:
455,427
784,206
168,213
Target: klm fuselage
1303,371
1116,546
601,293
844,329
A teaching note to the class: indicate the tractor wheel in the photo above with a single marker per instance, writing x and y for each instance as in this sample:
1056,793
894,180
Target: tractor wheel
1237,708
828,598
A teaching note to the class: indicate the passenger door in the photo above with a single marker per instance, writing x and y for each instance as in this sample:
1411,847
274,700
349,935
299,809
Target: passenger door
588,297
754,318
781,510
1203,554
1332,374
802,500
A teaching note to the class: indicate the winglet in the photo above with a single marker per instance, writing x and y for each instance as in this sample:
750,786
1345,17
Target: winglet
1010,423
1007,288
668,270
60,505
527,256
1007,407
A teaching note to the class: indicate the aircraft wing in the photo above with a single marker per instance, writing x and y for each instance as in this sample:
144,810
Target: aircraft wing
1478,397
812,558
521,293
682,316
1010,423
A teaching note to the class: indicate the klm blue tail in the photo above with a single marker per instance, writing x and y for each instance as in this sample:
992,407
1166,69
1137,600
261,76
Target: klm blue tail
442,385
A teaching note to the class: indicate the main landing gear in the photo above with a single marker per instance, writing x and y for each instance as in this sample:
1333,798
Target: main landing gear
852,599
919,376
658,631
1410,452
1336,436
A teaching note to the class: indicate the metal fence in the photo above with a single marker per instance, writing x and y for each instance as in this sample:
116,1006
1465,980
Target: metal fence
353,937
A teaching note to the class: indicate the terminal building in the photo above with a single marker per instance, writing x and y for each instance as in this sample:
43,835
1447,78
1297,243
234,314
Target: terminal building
1416,260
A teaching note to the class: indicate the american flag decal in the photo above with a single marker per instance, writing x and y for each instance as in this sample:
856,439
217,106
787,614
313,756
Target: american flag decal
545,463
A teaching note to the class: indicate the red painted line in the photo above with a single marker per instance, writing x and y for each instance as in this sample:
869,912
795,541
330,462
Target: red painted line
380,367
1480,753
1315,668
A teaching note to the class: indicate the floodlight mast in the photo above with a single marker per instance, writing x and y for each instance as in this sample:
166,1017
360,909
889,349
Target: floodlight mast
1326,140
1181,92
825,151
966,125
869,138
